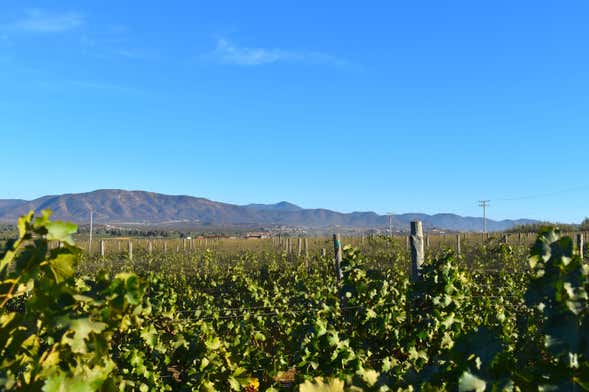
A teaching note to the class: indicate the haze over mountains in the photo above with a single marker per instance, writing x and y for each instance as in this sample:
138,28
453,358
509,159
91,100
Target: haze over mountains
140,207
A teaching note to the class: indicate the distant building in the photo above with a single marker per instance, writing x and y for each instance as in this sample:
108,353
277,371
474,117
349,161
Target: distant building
257,235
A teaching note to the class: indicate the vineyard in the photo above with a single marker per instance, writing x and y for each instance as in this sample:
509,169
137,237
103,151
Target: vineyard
491,315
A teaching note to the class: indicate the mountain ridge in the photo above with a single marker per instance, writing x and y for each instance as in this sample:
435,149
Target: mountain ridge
143,207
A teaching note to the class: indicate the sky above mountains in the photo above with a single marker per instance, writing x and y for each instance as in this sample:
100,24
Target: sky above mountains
418,106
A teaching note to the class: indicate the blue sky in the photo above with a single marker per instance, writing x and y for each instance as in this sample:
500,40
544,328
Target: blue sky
422,106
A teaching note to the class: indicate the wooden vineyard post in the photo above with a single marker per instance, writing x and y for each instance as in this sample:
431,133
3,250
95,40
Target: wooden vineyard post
323,252
408,242
417,253
300,246
130,250
102,248
165,246
306,253
150,247
580,244
427,245
337,247
458,250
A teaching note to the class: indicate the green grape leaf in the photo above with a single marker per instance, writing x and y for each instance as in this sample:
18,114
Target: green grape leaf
60,383
23,222
61,231
469,382
80,330
319,385
63,265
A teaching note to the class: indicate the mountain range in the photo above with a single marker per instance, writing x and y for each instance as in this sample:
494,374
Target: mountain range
113,206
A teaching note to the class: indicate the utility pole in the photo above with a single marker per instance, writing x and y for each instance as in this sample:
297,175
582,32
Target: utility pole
90,240
484,204
390,214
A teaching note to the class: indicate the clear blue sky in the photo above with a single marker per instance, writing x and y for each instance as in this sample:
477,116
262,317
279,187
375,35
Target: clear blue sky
407,106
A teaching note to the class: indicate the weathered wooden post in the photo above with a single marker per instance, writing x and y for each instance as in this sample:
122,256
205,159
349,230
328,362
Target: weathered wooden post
580,244
165,246
427,246
323,252
150,247
417,253
306,244
458,250
337,247
102,248
130,250
300,247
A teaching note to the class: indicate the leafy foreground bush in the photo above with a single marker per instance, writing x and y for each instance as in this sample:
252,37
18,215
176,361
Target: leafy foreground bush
374,330
57,332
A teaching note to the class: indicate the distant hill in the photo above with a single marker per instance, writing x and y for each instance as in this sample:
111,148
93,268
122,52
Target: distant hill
10,203
282,206
140,207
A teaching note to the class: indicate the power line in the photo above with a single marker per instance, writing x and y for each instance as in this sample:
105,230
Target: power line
540,195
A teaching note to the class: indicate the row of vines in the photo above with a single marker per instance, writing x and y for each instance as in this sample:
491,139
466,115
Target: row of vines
191,323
